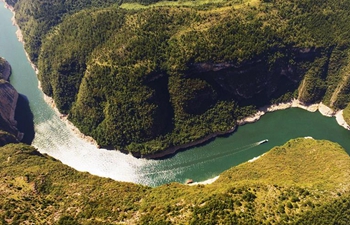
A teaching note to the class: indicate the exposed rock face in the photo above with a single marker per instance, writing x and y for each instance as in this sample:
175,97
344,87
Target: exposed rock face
257,78
8,102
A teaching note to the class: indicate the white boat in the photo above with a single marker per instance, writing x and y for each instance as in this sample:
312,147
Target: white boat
263,141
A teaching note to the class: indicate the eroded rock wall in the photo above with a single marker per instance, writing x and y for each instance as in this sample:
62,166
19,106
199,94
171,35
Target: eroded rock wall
8,102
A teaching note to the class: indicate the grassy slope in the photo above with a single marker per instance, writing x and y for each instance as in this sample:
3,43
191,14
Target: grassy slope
280,186
38,189
295,163
136,6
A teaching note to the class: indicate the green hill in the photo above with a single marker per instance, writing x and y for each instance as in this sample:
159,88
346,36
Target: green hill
145,78
295,183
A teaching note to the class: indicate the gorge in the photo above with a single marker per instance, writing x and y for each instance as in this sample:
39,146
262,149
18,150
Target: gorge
56,139
301,181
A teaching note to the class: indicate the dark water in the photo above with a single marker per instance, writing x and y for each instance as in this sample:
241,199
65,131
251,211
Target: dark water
55,138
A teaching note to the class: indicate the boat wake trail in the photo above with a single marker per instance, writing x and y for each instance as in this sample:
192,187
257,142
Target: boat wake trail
173,168
222,154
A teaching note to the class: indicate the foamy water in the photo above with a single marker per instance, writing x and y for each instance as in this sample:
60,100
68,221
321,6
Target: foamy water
55,138
84,156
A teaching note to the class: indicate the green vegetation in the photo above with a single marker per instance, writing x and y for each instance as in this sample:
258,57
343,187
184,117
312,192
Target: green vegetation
143,76
336,212
295,183
346,114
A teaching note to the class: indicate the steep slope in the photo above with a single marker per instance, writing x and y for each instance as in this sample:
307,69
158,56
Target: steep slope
292,183
8,102
147,79
8,96
16,118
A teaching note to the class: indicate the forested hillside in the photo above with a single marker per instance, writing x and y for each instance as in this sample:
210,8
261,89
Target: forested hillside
144,78
294,184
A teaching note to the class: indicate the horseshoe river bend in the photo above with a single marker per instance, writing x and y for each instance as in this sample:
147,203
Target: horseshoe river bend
55,138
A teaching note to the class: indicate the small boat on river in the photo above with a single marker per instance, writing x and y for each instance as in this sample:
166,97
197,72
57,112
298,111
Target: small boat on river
263,141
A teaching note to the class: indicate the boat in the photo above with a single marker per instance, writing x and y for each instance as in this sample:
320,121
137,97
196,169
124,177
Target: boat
263,141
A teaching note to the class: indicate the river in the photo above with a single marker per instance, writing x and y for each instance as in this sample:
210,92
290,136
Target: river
54,137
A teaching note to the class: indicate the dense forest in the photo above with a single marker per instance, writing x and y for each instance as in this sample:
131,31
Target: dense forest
36,189
144,76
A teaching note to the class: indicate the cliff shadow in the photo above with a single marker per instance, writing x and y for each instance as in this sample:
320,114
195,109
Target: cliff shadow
164,122
25,119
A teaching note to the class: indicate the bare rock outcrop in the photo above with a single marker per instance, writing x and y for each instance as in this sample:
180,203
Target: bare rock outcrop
8,102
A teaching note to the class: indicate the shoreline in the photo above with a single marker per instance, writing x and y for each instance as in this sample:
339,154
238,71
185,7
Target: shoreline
323,109
295,103
205,182
281,106
174,149
341,121
49,100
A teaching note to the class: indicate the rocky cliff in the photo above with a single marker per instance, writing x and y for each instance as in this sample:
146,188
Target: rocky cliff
8,102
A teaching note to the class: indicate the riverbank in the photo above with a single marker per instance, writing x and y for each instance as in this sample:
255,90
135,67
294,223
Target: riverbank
172,150
68,123
341,121
295,103
209,181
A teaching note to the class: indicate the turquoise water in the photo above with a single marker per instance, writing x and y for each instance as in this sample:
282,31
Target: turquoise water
55,138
